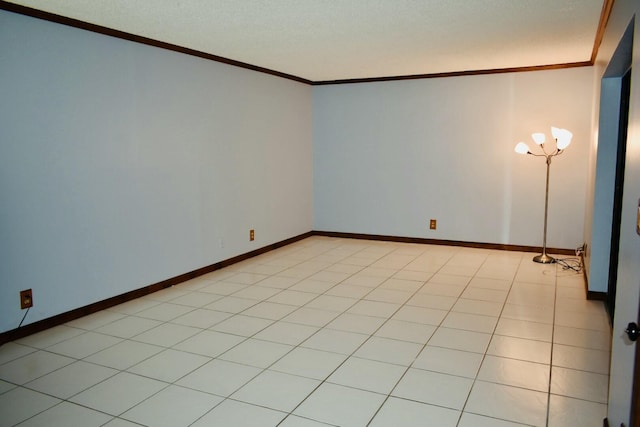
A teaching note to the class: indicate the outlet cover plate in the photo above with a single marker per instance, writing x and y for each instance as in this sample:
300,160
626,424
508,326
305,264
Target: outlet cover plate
26,299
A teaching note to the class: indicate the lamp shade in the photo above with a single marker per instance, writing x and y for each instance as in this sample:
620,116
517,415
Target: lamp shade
538,137
522,148
562,136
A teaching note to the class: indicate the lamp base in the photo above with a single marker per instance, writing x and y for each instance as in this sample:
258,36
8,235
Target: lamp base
544,259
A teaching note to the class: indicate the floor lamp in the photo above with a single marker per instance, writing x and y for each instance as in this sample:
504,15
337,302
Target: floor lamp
563,139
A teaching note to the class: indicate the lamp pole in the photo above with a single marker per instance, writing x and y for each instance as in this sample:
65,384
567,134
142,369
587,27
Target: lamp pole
543,258
563,139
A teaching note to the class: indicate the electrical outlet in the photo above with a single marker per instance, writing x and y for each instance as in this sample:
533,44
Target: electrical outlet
252,235
433,224
26,299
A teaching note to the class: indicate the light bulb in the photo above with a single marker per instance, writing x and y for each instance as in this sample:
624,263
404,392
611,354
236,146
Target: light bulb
538,137
562,136
522,148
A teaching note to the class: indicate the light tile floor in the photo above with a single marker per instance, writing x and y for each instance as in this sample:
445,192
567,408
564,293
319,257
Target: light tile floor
328,331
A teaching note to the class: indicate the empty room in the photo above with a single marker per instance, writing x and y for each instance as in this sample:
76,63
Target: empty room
304,213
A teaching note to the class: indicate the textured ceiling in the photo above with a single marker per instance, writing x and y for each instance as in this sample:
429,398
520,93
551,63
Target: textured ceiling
322,40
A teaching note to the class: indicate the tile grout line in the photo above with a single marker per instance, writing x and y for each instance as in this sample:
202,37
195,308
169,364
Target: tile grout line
462,411
553,330
354,351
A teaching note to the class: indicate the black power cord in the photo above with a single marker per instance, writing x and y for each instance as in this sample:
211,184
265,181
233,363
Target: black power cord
570,264
24,317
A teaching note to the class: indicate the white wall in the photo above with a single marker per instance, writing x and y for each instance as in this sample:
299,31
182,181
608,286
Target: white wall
628,285
389,156
122,165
